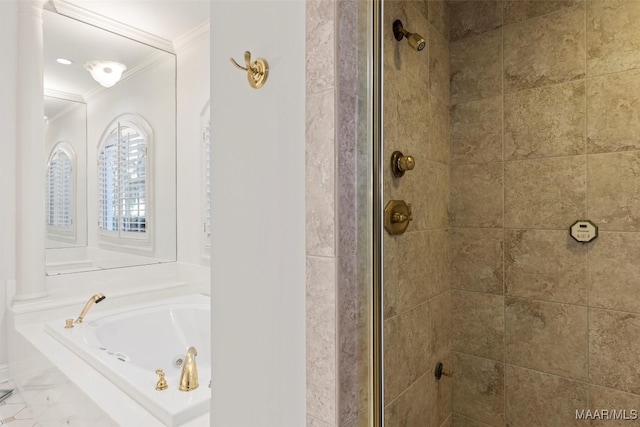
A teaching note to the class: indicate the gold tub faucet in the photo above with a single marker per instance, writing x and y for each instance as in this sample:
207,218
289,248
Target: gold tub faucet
94,299
189,375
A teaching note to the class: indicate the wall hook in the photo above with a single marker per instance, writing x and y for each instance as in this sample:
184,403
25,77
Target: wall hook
257,70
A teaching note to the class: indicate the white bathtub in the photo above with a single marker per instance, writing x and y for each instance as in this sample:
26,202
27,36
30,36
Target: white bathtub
128,346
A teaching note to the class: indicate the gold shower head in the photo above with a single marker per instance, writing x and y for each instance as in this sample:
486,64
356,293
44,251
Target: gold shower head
415,40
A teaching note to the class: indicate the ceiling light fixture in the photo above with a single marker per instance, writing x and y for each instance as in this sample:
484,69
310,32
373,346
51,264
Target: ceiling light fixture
64,61
107,73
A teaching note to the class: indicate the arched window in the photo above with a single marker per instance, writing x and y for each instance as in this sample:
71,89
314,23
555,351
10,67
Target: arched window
124,180
60,192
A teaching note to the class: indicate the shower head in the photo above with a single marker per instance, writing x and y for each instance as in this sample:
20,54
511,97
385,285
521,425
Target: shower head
415,40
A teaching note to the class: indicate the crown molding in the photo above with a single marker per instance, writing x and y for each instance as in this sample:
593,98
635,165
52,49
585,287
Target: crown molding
101,21
193,36
64,95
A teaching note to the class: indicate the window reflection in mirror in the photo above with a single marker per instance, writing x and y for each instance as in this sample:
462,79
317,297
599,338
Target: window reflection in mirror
60,194
65,151
138,224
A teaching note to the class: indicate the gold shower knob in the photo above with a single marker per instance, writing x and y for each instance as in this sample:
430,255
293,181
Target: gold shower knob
401,163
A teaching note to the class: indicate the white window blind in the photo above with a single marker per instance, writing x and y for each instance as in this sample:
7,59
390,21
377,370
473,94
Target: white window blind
122,167
59,190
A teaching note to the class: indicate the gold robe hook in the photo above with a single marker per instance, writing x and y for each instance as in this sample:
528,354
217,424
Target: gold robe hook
257,71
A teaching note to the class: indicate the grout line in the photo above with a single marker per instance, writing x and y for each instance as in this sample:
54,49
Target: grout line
470,418
583,382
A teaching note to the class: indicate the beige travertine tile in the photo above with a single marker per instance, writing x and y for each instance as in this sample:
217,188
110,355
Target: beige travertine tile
547,336
391,274
438,11
477,260
320,175
521,10
414,344
462,421
440,309
476,67
320,34
545,122
439,131
613,186
439,262
476,131
545,50
545,193
321,333
408,280
437,195
606,398
468,18
545,264
391,386
315,422
613,112
612,36
478,389
614,339
538,399
413,116
413,407
614,271
439,71
478,324
391,415
476,195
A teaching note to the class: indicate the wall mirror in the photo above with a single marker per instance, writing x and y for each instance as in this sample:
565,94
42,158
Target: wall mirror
110,198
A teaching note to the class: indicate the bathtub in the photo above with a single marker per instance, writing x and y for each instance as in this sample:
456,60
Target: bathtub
127,346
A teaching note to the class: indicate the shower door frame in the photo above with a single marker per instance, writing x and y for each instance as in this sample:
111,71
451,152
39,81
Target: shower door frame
376,79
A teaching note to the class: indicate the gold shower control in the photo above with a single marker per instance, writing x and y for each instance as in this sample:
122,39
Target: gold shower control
401,163
397,215
440,371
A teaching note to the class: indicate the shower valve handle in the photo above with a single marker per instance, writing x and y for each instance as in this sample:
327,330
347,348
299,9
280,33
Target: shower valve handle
401,163
406,163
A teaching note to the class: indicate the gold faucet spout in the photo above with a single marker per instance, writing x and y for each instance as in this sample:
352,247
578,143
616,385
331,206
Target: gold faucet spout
94,299
189,375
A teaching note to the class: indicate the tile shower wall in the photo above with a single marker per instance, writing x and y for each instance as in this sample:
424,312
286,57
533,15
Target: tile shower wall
417,294
331,288
545,130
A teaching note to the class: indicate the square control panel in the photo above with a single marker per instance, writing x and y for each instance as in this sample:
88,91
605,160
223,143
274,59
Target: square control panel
583,231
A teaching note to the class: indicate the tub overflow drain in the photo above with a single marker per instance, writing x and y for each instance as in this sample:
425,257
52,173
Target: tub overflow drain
178,361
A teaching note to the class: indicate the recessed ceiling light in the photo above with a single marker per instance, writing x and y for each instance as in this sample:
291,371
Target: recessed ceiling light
64,61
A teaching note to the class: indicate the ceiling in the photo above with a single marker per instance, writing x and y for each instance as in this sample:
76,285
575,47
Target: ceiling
79,42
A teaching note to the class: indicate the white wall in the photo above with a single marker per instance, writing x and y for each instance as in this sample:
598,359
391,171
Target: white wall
149,95
258,252
8,75
193,94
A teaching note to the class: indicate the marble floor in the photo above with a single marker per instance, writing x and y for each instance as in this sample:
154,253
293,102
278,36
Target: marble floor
13,412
